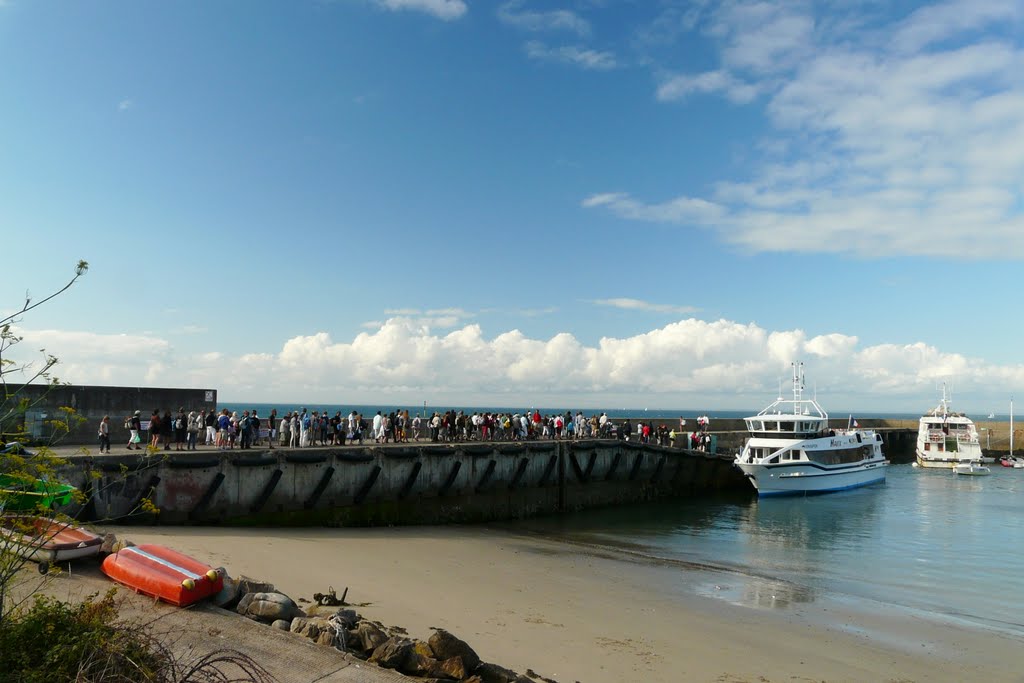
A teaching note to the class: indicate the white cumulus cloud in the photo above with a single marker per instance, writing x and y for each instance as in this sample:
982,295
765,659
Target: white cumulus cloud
891,137
442,9
575,55
515,14
640,305
687,363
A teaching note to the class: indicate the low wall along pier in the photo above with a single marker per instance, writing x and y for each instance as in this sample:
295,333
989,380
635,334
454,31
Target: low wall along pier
394,484
90,403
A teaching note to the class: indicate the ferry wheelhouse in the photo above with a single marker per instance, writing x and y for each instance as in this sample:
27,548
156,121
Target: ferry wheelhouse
792,450
946,439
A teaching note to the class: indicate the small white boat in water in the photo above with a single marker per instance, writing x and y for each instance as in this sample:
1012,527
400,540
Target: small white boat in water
792,450
971,468
946,439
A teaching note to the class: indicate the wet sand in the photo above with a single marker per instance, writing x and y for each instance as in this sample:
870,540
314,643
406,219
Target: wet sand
573,614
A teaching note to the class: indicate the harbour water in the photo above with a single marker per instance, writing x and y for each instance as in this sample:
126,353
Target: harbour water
943,546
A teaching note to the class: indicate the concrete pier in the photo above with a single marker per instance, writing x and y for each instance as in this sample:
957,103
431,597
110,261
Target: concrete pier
392,484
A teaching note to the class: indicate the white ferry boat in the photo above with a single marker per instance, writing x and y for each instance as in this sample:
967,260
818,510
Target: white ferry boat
792,450
946,439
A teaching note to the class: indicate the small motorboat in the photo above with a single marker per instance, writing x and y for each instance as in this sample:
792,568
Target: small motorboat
971,468
162,573
1012,461
24,493
47,541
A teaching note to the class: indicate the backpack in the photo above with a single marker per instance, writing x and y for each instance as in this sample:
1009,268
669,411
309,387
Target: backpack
179,423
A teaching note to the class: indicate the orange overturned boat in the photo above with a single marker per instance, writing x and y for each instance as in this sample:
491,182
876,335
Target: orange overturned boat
160,572
47,541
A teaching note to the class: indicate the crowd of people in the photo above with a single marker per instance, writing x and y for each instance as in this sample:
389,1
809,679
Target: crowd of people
301,428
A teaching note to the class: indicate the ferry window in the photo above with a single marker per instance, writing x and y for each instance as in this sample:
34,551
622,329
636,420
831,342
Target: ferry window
786,426
927,446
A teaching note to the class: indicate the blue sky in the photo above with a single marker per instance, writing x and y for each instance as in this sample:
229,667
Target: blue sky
599,202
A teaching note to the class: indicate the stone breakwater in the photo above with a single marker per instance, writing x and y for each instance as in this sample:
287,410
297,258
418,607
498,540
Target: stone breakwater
442,657
393,484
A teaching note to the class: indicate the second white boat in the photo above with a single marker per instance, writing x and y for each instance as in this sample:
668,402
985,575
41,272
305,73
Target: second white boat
946,439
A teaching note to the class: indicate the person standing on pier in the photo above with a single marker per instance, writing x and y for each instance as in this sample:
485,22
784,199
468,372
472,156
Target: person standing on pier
180,430
104,433
272,426
134,427
195,424
286,430
435,427
210,422
166,430
245,431
154,429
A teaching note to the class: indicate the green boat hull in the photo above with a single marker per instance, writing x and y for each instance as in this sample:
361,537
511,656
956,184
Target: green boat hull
17,494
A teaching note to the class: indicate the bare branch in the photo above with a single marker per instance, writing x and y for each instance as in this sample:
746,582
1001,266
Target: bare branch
80,269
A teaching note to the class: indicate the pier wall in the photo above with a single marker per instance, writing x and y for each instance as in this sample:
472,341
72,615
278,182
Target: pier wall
93,402
416,484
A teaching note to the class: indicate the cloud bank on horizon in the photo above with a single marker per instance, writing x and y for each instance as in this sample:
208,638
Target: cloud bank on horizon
688,363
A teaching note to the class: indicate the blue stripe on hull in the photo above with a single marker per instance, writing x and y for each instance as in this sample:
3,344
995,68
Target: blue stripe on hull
816,492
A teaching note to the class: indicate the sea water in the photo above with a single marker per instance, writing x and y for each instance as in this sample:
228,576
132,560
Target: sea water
928,541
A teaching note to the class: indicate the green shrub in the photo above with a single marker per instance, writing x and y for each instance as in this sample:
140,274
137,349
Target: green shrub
56,641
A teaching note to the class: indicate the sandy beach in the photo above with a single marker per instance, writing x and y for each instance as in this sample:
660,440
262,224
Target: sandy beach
572,614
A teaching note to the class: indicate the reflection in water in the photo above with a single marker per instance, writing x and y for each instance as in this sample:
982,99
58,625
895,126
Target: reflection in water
755,591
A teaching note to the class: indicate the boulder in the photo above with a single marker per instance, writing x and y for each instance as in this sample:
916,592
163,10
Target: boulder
420,661
326,637
244,602
368,636
392,653
446,646
310,627
417,664
492,673
421,647
452,668
269,607
228,596
247,585
282,625
109,544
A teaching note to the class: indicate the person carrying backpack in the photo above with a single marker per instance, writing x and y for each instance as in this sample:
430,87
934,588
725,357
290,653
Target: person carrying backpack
180,430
